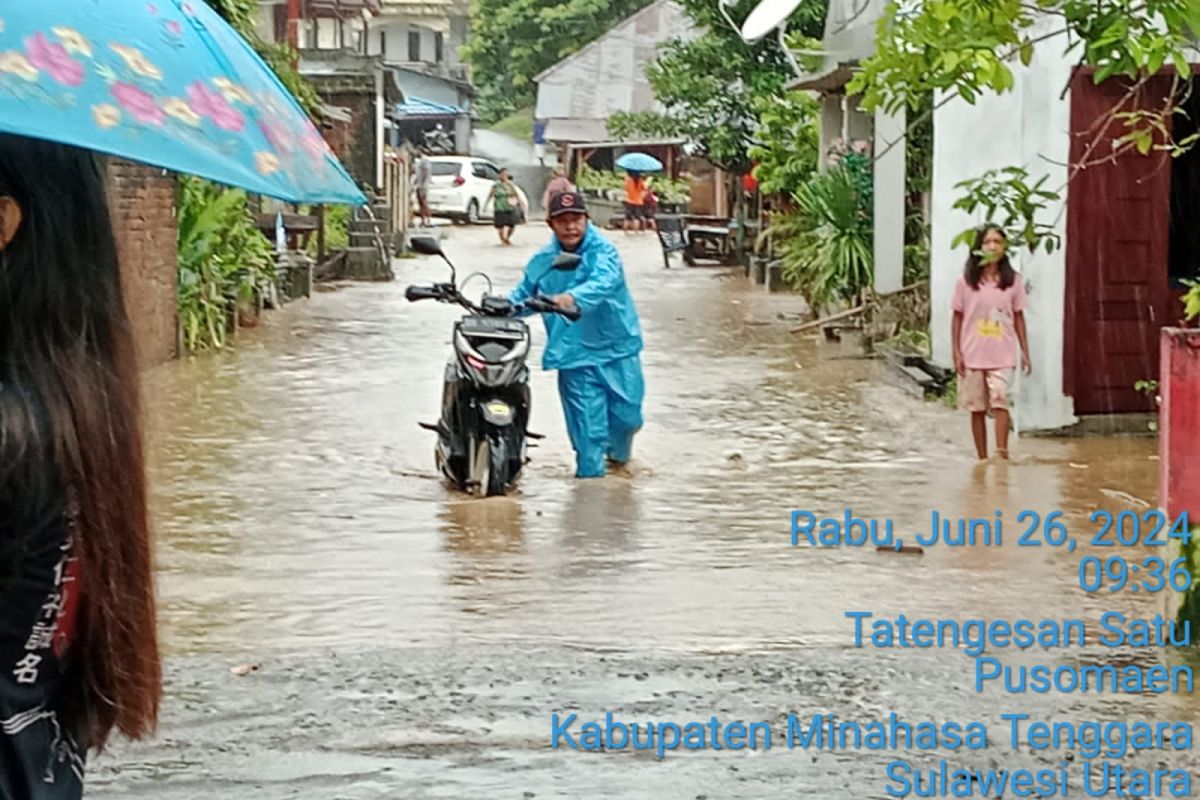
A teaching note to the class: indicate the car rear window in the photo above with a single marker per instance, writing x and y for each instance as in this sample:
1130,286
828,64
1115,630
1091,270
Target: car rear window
443,168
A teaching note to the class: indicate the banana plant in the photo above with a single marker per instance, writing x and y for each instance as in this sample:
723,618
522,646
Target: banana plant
224,260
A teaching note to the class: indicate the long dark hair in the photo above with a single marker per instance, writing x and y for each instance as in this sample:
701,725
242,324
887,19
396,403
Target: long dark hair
976,263
65,340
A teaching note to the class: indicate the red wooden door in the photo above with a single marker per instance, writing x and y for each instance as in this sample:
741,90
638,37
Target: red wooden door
1118,239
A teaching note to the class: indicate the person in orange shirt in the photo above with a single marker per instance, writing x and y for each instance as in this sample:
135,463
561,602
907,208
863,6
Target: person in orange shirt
635,202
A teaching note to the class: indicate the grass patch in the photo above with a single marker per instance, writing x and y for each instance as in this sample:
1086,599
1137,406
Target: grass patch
950,398
911,341
518,125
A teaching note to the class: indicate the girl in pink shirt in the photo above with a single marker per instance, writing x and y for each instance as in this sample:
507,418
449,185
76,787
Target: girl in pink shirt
989,322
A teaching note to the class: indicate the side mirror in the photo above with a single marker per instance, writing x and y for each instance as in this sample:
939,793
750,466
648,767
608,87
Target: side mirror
426,246
566,262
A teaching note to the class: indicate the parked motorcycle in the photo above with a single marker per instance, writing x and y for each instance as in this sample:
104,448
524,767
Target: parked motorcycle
438,142
483,430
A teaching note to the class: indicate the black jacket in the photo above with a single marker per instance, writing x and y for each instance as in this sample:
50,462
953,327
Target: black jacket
38,584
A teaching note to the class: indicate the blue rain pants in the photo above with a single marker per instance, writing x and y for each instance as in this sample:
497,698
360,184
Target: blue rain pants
603,408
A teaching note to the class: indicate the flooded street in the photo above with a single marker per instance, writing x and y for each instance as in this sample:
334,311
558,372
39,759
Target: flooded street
414,642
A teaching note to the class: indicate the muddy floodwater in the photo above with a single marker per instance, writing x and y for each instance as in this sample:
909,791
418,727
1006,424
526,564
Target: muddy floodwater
411,642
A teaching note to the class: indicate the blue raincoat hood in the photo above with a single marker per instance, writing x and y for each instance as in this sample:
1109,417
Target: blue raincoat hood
609,328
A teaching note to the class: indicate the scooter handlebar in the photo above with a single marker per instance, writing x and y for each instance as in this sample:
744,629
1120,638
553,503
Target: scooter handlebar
546,306
415,293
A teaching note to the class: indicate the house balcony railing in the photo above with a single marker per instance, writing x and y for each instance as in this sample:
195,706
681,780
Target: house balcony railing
454,72
339,9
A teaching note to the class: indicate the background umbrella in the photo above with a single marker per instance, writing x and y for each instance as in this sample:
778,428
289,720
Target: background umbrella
639,162
167,83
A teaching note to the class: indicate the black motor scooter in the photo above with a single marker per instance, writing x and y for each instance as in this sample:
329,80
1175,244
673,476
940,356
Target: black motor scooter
482,433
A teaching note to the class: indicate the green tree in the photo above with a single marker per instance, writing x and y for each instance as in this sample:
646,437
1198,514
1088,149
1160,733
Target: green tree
966,48
238,13
512,41
715,87
1191,300
785,147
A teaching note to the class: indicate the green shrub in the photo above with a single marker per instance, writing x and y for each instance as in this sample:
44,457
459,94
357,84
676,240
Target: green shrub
337,230
669,190
826,242
224,261
1191,300
1189,605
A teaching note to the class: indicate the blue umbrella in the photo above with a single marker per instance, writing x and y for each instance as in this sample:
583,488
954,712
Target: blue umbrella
639,162
165,82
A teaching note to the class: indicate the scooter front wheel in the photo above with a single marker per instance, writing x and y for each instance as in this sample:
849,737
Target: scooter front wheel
481,469
499,474
490,469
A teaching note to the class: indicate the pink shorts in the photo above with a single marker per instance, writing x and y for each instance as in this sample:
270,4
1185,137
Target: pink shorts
984,389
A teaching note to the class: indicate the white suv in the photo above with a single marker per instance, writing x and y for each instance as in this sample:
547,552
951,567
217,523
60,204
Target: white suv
460,185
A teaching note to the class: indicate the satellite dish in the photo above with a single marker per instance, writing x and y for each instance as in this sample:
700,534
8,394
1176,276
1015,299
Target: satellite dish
766,17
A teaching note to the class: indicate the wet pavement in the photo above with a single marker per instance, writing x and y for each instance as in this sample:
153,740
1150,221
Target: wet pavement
413,642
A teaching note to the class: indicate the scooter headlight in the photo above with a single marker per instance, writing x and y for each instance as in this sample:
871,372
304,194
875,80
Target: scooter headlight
498,413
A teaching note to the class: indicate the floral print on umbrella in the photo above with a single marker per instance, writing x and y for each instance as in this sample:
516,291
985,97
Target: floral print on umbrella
54,59
132,90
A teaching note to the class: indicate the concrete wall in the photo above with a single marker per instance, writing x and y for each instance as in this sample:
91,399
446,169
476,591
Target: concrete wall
1028,127
395,31
841,119
356,144
264,21
830,128
890,196
142,202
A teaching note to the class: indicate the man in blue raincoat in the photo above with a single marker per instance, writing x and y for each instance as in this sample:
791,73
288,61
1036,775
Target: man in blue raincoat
598,358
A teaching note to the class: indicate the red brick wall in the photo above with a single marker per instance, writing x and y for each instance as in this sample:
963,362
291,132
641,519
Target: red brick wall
143,209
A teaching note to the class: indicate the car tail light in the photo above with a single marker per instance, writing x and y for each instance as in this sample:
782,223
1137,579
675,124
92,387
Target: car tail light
460,180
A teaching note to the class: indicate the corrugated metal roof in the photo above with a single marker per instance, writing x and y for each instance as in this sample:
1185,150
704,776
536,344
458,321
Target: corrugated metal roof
830,78
419,107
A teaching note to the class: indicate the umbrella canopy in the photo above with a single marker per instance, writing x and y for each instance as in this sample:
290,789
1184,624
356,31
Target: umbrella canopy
639,162
167,83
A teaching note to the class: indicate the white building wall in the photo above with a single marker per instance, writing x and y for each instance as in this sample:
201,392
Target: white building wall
396,36
890,206
1028,127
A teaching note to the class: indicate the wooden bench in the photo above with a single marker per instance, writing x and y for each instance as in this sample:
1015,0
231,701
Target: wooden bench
298,229
711,242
